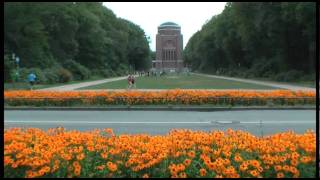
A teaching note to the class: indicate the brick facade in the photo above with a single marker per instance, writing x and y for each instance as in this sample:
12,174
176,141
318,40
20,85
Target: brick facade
169,47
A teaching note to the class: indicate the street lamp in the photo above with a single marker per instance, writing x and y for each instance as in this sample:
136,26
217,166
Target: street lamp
16,60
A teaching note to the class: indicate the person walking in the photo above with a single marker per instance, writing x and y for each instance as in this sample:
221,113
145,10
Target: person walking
133,81
129,81
32,78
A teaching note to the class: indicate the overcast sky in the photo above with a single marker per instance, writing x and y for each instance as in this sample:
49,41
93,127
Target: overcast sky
149,15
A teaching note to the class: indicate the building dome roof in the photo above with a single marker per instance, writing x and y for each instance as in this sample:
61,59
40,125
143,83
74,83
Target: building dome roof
169,24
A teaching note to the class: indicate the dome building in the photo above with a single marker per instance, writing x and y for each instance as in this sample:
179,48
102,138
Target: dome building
169,47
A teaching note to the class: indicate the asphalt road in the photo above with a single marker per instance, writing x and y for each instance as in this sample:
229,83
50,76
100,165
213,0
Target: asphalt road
258,122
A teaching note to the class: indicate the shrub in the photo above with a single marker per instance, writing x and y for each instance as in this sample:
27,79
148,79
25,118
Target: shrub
308,77
64,75
289,76
78,71
40,75
108,73
122,70
264,67
51,75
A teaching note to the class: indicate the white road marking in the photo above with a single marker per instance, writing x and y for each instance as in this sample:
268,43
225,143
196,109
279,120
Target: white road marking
102,122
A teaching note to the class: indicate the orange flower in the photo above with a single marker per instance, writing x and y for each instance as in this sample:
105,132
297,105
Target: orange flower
100,167
183,175
181,167
277,168
77,170
243,167
280,175
104,155
80,156
255,163
202,172
38,149
219,176
112,167
145,176
191,154
185,96
294,162
187,162
238,158
254,173
286,168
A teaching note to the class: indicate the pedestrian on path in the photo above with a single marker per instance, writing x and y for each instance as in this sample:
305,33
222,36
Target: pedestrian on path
31,78
129,81
133,82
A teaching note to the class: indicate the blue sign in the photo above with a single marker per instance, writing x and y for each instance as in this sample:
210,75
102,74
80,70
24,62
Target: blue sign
17,59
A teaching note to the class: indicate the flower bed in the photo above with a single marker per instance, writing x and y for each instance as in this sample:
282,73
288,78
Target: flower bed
174,97
181,153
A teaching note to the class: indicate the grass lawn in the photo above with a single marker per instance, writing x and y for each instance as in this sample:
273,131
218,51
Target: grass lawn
310,84
26,86
183,82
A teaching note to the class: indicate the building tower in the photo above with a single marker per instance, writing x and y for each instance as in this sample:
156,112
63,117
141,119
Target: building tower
169,47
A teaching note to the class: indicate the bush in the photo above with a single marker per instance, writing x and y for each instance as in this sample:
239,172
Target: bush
40,75
51,75
123,69
248,74
308,77
289,76
268,74
64,75
233,73
264,67
78,71
108,73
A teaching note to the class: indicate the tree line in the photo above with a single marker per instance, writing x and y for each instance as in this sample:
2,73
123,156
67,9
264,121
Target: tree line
274,40
71,41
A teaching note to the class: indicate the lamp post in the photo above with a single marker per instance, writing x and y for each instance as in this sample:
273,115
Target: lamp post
17,72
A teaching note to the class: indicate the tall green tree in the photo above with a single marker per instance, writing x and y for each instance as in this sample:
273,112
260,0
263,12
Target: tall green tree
260,39
75,36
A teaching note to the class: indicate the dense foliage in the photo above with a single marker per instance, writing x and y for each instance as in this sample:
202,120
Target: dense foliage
263,39
73,40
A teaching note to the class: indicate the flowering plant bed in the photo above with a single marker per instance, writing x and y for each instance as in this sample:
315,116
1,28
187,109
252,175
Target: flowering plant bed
181,153
170,97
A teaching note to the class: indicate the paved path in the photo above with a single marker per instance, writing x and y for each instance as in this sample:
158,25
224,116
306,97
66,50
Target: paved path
258,122
84,84
278,85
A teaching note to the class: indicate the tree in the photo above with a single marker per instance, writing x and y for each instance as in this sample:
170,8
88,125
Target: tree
262,39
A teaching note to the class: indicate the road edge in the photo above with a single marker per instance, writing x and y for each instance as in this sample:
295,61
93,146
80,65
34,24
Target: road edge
167,108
